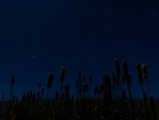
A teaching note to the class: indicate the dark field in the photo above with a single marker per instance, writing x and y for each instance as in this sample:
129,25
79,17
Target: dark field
92,109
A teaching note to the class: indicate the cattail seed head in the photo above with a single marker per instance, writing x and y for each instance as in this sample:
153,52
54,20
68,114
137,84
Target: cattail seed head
39,83
12,79
125,70
144,69
50,77
62,73
116,61
139,72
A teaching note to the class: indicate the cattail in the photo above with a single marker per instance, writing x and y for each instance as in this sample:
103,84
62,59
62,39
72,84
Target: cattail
107,83
50,77
129,78
12,84
49,85
62,74
125,70
139,72
116,61
39,83
144,69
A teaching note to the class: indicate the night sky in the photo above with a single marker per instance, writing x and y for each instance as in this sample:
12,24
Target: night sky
39,36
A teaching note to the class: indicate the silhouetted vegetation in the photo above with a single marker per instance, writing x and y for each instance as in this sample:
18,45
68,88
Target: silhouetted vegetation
108,102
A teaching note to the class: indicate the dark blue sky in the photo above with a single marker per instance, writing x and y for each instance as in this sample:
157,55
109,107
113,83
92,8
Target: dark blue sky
77,34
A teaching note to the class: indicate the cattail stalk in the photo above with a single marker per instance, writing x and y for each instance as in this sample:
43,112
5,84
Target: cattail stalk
90,80
140,79
12,84
145,75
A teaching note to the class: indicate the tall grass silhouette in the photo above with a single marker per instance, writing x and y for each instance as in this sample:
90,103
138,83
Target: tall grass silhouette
111,100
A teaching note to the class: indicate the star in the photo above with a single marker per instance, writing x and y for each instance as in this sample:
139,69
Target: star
33,56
